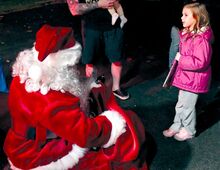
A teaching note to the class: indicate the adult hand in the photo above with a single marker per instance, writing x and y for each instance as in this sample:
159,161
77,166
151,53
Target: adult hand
105,3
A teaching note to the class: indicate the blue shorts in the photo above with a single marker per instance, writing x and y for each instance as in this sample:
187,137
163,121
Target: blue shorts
113,44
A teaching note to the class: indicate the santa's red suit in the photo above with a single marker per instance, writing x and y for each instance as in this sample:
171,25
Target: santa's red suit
50,131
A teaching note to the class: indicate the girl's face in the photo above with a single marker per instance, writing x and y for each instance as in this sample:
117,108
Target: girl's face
187,18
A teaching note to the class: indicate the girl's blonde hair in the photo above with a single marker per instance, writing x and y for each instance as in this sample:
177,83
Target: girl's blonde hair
200,14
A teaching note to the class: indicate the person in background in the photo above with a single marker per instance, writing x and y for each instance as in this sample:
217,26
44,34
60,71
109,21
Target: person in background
97,28
174,46
193,73
3,85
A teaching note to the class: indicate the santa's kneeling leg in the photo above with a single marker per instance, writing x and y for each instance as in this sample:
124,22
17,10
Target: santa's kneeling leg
50,129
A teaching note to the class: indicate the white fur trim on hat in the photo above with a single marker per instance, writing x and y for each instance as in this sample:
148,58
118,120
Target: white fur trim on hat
63,58
118,126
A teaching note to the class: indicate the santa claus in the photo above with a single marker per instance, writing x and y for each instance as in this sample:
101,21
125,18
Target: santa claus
50,128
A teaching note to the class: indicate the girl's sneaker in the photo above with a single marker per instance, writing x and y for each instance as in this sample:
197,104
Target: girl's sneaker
169,133
183,135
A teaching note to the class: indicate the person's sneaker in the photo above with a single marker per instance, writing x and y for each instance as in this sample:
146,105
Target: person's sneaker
121,94
182,135
169,133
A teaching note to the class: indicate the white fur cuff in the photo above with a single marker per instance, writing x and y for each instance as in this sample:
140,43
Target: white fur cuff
118,126
64,163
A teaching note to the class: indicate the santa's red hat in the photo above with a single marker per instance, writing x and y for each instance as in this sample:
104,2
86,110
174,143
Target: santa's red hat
52,39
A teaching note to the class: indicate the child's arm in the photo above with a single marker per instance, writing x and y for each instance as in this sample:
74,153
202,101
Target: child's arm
174,45
200,58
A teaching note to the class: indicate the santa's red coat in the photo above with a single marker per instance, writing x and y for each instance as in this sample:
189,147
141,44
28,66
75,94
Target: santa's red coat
35,115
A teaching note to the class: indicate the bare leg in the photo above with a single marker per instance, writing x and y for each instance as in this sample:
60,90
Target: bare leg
113,14
116,69
120,12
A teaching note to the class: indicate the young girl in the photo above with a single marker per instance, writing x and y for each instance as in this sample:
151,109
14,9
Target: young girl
193,73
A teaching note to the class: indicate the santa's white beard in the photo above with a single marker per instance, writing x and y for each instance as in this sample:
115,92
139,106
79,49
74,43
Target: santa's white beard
68,79
63,79
53,73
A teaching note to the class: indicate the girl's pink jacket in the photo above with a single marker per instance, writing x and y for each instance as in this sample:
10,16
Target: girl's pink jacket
194,71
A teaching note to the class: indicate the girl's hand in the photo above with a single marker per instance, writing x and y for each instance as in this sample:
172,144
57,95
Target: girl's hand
177,56
105,3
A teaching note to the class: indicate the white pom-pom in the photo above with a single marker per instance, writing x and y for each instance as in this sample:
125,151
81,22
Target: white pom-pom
44,89
35,73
